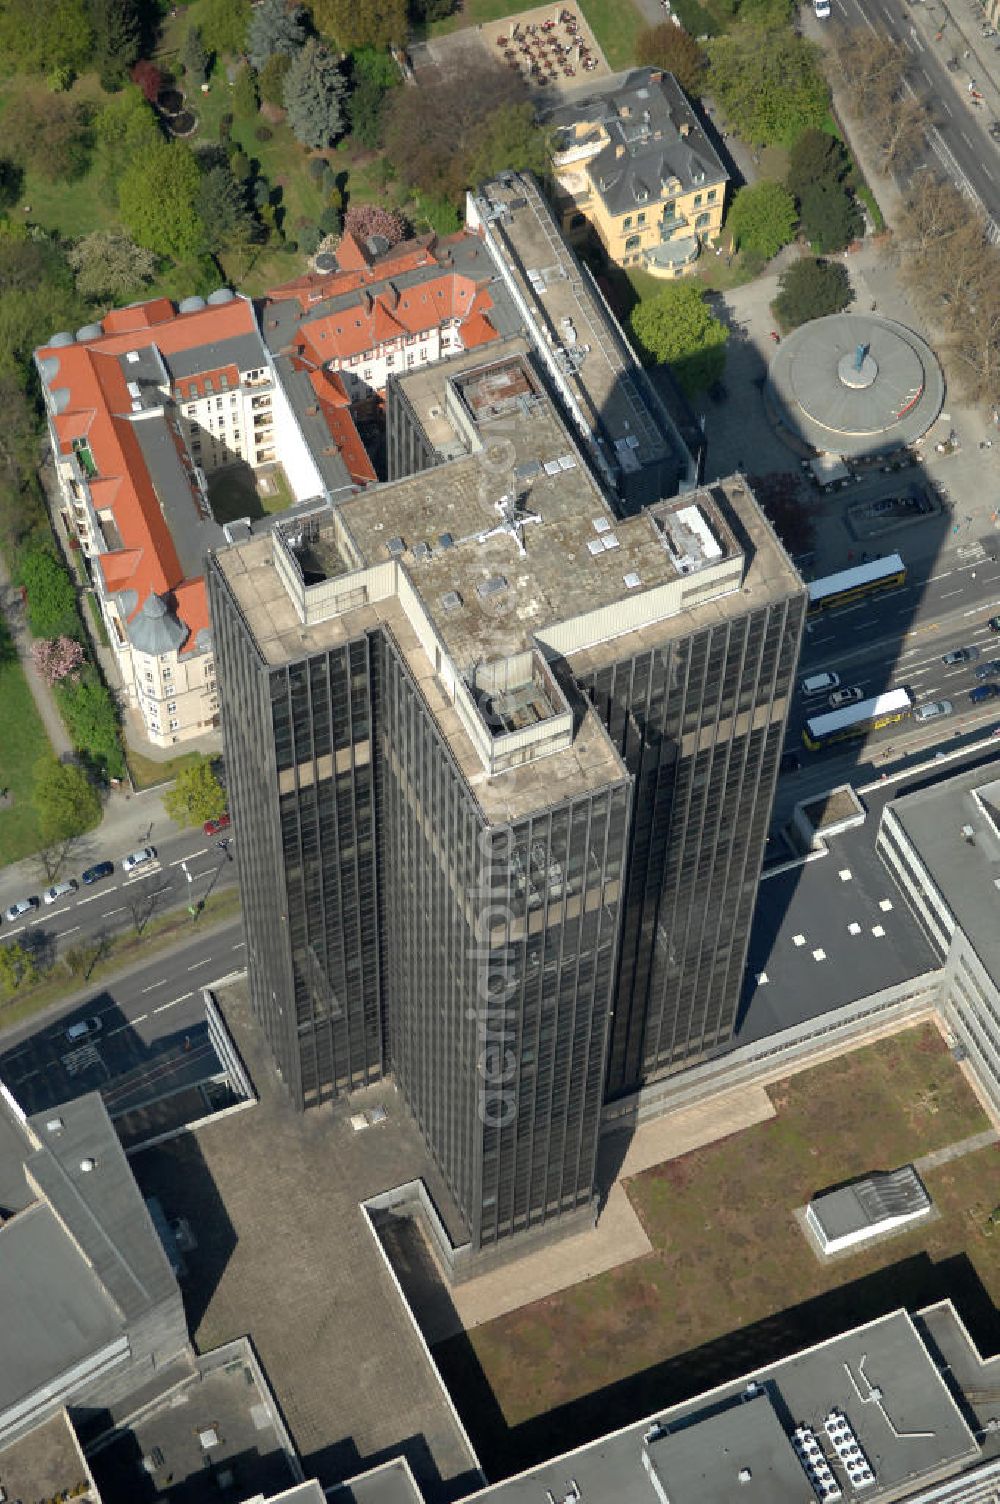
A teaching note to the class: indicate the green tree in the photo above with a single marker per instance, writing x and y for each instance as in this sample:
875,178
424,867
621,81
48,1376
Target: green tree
364,110
117,36
37,38
676,326
314,95
158,198
672,48
124,129
224,25
274,31
51,135
36,295
830,217
92,721
762,218
51,596
509,138
197,795
17,968
272,80
350,24
194,57
222,206
110,267
816,157
65,799
811,289
11,183
246,95
768,82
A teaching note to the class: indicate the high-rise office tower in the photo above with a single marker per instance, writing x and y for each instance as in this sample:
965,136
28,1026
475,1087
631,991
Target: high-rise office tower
501,765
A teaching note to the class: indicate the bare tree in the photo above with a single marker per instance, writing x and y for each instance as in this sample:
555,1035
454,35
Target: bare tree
872,71
80,960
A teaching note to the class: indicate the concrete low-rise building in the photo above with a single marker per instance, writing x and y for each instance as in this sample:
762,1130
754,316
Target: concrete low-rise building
942,845
879,1203
90,1310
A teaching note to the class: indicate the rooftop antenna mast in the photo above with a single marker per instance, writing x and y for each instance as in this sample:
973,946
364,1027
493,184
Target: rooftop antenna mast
514,518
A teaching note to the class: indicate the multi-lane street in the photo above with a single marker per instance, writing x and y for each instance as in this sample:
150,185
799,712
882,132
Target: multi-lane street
146,1031
958,144
125,898
898,641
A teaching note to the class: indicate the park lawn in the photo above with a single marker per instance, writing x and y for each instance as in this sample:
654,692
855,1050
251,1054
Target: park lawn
146,772
72,209
615,23
727,1252
23,741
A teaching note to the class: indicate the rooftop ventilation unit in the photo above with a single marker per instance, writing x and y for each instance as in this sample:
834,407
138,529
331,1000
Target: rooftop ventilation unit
610,541
132,356
632,580
396,548
451,600
595,546
421,550
445,540
495,585
601,524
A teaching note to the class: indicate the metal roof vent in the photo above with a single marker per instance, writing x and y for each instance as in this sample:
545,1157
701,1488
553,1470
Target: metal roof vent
132,356
495,585
54,1125
88,1164
609,540
421,550
446,541
632,580
744,1475
451,600
396,548
600,524
595,546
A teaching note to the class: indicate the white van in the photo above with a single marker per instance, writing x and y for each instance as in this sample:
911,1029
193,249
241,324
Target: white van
822,9
819,684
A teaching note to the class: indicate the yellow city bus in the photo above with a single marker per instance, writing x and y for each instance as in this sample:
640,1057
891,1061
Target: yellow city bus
857,720
854,584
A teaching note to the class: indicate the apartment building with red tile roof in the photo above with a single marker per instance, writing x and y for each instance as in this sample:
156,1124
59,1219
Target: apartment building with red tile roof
382,311
143,408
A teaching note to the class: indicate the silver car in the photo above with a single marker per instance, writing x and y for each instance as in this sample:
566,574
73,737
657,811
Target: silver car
138,858
932,709
19,909
59,890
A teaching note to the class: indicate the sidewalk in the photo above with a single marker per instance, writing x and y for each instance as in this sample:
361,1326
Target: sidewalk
129,820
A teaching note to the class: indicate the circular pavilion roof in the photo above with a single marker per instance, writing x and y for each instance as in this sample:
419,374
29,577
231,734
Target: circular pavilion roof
854,384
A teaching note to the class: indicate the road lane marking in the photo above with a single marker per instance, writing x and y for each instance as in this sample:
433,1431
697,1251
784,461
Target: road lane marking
73,930
945,594
43,915
153,986
239,945
182,999
147,871
205,962
140,1020
115,911
965,137
103,894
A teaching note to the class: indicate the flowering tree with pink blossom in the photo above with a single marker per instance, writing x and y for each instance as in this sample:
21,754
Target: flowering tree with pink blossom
57,658
365,220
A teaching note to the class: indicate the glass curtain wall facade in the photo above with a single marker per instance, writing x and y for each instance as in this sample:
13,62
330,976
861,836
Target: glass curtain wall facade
301,784
699,723
499,947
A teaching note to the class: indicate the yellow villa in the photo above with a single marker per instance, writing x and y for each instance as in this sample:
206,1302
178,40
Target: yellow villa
634,167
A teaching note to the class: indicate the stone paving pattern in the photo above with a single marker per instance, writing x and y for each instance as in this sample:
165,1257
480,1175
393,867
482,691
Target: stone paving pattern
285,1256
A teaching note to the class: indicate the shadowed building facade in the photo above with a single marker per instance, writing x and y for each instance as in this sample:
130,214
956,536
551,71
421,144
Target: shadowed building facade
502,764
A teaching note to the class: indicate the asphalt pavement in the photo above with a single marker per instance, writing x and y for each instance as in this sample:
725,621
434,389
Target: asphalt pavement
146,1034
124,899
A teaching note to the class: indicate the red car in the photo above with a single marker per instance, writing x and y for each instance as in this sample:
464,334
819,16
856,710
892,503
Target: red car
213,827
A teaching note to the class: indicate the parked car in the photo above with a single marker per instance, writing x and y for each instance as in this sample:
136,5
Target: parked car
983,692
994,623
214,827
960,655
83,1029
989,670
846,696
95,873
22,907
138,858
59,890
821,9
932,709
